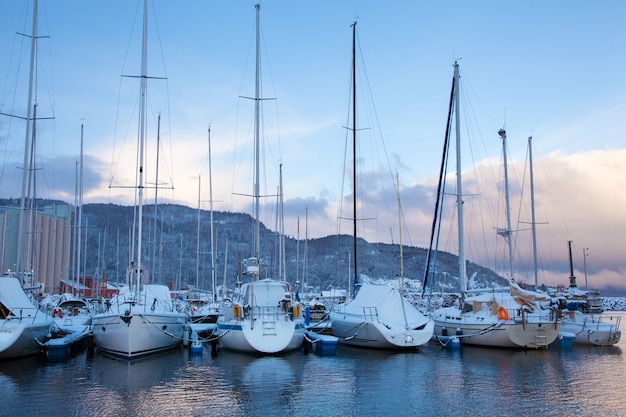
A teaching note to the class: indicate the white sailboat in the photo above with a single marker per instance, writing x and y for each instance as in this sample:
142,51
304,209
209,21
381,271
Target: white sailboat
141,319
201,305
263,318
586,326
508,317
378,316
23,327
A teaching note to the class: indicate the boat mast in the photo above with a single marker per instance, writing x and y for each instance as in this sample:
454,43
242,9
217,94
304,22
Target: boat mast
400,224
354,236
282,264
80,210
257,238
213,284
306,245
440,187
506,233
25,173
532,205
406,322
459,197
156,199
572,277
142,135
198,237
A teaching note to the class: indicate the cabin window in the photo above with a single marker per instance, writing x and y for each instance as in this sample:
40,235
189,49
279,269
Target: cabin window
4,311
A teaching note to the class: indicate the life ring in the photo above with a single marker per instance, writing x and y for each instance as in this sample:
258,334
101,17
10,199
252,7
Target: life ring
503,314
296,310
57,311
237,311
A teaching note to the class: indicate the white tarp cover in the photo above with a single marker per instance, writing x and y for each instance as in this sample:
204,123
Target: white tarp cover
388,304
12,295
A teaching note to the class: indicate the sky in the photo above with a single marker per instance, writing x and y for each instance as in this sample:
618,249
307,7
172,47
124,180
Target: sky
550,70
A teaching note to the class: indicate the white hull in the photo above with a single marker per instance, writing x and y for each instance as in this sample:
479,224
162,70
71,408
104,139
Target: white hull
591,330
138,334
132,328
269,335
263,319
481,330
379,317
23,328
355,330
24,337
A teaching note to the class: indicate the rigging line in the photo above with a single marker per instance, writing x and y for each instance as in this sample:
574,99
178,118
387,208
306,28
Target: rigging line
166,78
370,107
519,221
244,77
440,190
271,76
375,116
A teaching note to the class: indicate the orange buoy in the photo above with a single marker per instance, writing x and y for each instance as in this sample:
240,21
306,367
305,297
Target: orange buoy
503,314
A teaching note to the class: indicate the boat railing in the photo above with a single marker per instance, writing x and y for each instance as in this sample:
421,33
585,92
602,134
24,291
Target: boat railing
594,322
370,313
123,302
22,314
538,316
269,312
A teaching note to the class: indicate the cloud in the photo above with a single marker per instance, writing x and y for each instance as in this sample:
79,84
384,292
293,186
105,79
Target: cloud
577,199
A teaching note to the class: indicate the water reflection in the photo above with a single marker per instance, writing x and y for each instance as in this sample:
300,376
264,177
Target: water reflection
355,382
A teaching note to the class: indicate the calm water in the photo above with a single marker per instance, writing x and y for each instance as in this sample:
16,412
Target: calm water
355,382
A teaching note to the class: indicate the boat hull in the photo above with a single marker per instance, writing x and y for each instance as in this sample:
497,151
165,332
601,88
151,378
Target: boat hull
23,328
25,337
592,330
139,333
355,330
267,336
380,317
263,319
491,332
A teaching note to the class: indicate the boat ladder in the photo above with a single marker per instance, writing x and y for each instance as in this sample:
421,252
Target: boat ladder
541,341
269,327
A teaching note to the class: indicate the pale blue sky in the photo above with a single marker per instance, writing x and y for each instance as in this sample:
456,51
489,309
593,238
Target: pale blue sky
553,70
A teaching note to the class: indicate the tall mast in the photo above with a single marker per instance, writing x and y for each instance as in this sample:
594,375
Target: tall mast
29,106
213,283
400,225
354,200
406,322
281,240
257,238
459,183
80,208
572,277
532,205
142,137
198,237
306,244
508,231
156,199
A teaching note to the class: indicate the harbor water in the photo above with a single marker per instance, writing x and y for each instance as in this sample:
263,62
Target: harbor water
432,381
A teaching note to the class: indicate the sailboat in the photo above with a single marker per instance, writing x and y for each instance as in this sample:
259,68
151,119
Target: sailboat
587,326
263,318
141,319
509,317
23,327
378,316
203,311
